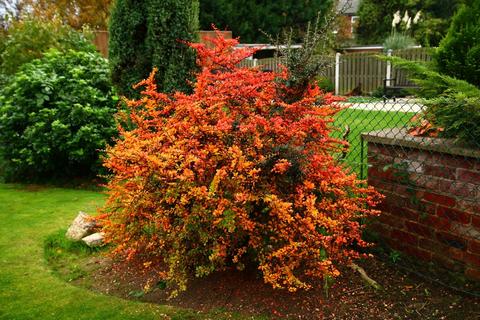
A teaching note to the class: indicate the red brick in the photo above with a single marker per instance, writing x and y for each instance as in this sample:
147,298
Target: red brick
428,207
374,148
472,259
474,247
473,273
418,253
382,229
384,206
379,160
391,220
439,171
405,237
462,189
451,240
466,163
411,215
453,214
440,199
401,189
380,173
379,184
437,223
445,261
468,176
432,245
403,212
394,199
419,229
431,183
469,206
476,221
456,254
453,161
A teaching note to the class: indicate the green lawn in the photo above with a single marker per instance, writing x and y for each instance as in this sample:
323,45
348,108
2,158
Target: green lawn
361,121
29,289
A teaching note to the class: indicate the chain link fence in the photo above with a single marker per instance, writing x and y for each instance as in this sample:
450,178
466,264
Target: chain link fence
431,210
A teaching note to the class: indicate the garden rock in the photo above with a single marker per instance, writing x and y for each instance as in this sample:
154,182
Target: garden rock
94,240
81,227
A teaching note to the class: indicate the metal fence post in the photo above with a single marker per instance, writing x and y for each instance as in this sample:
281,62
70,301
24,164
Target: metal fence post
389,69
337,73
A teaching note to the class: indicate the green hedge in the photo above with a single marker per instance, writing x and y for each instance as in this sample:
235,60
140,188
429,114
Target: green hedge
56,113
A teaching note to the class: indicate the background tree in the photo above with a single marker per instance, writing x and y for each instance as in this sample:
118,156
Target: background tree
245,18
147,34
30,37
76,13
459,52
376,18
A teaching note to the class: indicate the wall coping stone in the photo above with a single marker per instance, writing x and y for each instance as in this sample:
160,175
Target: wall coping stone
400,137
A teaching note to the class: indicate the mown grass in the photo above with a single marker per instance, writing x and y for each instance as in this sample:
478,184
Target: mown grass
29,289
362,121
67,258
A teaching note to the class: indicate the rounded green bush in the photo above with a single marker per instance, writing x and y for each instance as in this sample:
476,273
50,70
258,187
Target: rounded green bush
458,53
56,113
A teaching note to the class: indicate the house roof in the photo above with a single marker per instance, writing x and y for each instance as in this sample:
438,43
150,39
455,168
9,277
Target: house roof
348,7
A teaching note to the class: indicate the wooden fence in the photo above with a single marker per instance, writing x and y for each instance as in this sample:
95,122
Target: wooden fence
364,71
100,41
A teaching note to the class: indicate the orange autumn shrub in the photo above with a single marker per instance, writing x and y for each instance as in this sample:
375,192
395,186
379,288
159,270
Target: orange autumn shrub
233,175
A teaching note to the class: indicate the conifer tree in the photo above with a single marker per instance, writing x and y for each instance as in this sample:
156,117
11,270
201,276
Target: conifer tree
147,34
459,52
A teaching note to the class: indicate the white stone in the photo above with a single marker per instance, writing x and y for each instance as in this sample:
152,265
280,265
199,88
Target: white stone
81,227
94,240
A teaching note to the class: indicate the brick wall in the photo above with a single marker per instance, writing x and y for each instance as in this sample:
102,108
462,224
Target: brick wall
432,205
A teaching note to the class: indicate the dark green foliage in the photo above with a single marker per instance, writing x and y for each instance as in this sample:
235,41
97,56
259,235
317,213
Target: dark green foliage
168,22
129,58
375,23
3,40
28,39
451,103
146,34
326,84
375,19
56,113
458,114
431,82
459,52
245,18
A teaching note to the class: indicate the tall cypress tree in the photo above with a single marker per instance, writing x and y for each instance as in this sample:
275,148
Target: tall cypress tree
130,59
146,34
459,52
168,22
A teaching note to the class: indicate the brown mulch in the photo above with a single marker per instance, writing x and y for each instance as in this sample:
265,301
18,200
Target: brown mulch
403,296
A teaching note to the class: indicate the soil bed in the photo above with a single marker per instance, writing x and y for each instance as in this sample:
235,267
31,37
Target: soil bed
403,297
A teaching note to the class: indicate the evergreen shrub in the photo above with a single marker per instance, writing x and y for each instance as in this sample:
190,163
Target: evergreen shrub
148,34
56,114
